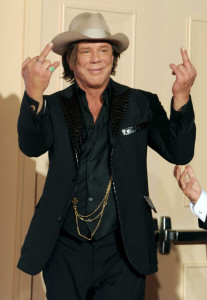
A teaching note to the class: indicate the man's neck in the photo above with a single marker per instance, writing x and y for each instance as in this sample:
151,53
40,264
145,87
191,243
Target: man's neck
93,94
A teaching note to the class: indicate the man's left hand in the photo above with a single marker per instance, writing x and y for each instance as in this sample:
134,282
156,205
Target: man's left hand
185,75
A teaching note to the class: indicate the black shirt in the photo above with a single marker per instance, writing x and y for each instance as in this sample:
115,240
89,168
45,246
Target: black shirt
94,171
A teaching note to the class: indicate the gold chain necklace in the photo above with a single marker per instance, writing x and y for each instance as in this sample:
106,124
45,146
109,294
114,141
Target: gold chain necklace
87,218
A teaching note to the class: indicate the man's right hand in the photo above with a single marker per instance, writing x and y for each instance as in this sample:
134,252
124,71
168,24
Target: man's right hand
188,183
36,73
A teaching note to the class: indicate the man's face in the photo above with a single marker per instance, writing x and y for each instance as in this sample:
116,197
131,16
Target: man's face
93,64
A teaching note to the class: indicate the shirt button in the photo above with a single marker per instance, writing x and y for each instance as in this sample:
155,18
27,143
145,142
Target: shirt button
90,199
92,158
90,178
60,218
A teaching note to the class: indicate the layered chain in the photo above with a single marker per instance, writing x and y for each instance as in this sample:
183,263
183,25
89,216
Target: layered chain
91,217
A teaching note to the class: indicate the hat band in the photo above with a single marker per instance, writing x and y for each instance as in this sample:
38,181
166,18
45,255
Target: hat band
96,33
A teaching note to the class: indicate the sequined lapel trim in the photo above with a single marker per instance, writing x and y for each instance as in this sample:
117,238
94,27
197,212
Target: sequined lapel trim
73,117
119,103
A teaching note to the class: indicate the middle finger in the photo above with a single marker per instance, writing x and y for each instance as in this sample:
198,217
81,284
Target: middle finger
186,60
45,52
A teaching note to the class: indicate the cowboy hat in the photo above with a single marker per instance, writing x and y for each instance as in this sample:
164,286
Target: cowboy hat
88,27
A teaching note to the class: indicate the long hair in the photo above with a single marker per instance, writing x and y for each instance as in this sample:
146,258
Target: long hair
71,55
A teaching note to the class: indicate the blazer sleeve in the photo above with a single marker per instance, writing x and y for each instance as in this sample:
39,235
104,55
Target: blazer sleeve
173,138
35,135
202,224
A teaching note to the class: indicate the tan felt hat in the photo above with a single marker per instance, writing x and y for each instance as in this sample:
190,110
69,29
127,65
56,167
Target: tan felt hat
88,27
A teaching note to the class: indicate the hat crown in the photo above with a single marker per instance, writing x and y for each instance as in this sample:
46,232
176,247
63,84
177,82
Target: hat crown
90,24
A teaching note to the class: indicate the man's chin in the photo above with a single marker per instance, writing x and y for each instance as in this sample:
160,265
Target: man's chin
93,83
98,84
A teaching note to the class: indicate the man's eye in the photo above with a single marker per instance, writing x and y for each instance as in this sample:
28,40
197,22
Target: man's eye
104,50
85,51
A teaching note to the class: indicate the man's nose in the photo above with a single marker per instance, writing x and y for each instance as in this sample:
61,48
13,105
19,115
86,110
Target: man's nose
95,57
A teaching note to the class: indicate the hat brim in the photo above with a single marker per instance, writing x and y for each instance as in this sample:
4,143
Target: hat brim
62,40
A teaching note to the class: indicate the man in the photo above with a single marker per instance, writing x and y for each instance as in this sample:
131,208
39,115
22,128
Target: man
190,186
92,232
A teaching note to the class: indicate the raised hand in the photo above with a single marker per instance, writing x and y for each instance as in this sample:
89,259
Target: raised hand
188,183
37,72
185,75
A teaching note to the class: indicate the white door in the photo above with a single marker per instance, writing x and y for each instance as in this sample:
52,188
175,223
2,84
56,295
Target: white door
157,30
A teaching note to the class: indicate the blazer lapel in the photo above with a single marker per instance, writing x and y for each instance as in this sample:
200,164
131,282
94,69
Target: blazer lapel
73,117
119,101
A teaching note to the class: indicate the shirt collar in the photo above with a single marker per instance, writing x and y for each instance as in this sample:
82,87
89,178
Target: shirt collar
106,94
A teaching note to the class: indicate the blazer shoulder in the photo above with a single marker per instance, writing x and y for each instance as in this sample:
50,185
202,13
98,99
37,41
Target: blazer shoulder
67,92
134,91
141,97
152,100
148,95
118,86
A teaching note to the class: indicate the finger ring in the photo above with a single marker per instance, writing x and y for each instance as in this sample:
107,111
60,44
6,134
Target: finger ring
39,60
52,69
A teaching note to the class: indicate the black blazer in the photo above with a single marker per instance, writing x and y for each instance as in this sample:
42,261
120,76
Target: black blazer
137,120
202,224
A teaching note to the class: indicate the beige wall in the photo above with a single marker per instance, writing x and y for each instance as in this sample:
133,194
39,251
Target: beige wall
11,53
161,27
17,173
